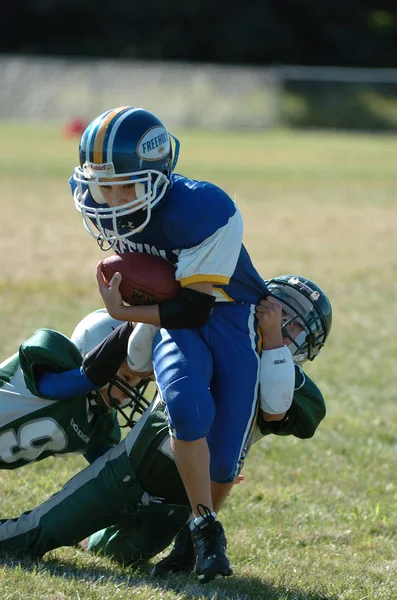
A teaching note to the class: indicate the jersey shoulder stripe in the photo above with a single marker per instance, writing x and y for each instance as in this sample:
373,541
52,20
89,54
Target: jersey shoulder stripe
214,259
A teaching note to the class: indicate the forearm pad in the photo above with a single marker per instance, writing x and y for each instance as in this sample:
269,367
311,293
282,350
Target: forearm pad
103,362
188,310
277,379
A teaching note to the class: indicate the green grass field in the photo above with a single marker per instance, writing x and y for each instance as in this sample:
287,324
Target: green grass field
314,519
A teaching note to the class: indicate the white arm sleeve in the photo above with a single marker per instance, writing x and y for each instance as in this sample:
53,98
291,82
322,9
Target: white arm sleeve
277,380
140,344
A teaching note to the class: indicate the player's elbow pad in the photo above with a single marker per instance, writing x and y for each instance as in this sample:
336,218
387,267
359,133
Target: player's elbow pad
188,310
277,380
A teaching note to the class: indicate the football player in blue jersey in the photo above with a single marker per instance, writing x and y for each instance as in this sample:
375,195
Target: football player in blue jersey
131,199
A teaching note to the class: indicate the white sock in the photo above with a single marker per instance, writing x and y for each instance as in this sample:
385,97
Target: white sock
194,522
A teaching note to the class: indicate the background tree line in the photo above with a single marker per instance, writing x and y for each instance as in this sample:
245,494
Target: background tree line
261,32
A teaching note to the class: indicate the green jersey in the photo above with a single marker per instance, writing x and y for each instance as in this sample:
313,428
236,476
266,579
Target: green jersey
131,501
33,426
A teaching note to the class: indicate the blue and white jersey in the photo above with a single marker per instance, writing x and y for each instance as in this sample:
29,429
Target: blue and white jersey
198,228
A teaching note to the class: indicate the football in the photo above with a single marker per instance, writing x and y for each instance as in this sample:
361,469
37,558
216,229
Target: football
146,278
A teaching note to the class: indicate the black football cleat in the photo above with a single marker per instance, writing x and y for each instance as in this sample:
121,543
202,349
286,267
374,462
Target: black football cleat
181,557
209,543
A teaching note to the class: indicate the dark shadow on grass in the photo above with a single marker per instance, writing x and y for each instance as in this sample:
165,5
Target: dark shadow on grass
233,588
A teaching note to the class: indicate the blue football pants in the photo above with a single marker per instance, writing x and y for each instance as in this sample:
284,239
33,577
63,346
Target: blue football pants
209,380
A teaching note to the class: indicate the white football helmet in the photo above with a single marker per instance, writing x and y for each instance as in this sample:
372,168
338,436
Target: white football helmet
93,329
90,332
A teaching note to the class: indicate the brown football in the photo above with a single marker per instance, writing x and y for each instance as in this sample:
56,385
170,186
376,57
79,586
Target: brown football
146,278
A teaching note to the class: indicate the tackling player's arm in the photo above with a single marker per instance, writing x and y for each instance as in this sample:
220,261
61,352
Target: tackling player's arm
277,374
98,367
304,415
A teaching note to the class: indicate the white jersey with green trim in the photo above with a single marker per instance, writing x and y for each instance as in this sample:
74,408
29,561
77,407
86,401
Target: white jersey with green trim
33,427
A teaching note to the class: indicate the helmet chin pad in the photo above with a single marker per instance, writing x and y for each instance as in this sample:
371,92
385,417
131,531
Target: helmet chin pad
125,402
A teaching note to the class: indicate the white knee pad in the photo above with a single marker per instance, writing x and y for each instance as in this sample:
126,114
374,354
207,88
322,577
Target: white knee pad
139,352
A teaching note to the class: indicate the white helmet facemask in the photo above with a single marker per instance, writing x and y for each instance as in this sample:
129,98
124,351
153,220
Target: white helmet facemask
115,224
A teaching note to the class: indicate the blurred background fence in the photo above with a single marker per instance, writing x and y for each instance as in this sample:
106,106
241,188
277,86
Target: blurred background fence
199,95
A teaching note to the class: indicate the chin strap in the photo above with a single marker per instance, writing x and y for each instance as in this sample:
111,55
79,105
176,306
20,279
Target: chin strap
176,152
101,243
97,403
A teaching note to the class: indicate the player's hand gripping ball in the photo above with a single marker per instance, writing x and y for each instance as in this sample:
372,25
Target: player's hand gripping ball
146,279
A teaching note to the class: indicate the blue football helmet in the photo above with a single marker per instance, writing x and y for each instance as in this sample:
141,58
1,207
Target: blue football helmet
305,302
125,142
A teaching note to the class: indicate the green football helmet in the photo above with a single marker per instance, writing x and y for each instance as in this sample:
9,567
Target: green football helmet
306,303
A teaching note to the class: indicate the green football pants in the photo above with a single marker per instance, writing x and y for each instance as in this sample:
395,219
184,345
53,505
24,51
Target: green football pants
149,532
105,496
